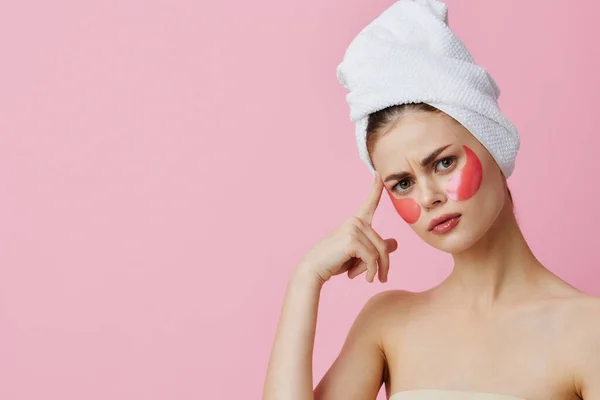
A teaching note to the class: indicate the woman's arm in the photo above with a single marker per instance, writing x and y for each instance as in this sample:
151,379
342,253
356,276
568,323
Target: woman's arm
353,248
357,372
289,375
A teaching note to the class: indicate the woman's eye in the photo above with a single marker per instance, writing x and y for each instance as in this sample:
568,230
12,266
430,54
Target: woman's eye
403,185
444,164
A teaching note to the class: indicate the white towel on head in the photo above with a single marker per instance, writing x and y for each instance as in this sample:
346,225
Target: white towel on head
409,55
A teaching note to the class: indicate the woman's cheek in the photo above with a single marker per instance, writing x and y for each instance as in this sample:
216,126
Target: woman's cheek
465,183
408,209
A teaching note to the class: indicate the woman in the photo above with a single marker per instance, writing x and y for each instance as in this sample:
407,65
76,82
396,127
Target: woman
501,326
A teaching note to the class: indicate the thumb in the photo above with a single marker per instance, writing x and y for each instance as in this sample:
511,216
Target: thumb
392,245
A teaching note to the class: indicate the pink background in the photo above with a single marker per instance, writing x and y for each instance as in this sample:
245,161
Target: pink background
164,165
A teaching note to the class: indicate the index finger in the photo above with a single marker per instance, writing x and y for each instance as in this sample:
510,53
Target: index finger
369,206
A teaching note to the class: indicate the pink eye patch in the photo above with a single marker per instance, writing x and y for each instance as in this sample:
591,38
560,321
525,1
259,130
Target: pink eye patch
465,183
462,186
407,208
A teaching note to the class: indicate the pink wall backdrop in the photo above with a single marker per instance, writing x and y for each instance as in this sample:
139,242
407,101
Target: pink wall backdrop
165,164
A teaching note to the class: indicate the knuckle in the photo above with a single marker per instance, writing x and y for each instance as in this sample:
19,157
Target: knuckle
352,235
375,234
372,256
378,241
357,221
374,250
350,247
353,232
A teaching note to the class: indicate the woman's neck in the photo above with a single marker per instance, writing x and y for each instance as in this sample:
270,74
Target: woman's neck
499,268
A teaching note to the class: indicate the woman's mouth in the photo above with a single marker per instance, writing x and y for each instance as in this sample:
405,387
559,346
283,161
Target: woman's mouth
444,223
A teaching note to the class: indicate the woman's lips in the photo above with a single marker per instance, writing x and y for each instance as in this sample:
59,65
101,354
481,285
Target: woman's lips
444,223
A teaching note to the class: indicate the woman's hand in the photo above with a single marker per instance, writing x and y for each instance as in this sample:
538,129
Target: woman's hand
353,247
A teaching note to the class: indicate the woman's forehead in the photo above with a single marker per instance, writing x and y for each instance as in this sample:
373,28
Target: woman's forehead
416,137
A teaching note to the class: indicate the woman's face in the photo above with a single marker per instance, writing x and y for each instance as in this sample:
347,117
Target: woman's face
434,170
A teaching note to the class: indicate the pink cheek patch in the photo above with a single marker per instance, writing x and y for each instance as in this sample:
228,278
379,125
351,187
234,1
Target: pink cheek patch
466,182
409,209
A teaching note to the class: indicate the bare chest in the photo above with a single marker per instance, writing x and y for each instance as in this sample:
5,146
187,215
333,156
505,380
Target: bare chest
526,358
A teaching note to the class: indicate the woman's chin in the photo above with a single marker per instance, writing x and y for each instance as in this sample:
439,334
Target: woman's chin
451,242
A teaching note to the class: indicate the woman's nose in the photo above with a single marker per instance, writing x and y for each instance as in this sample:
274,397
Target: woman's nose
432,196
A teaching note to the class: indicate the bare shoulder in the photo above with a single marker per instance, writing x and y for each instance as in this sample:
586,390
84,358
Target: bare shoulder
387,298
576,315
589,304
586,320
392,305
584,344
585,312
579,317
390,300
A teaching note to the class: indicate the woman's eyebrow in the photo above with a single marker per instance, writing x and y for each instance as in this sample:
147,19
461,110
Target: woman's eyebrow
425,161
396,177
